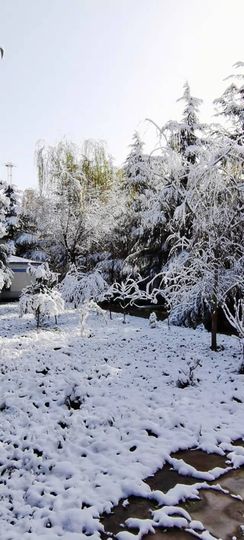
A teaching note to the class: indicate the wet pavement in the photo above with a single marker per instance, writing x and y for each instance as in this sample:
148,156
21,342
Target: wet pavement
221,513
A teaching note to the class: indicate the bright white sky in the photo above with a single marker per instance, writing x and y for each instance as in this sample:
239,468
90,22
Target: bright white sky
97,68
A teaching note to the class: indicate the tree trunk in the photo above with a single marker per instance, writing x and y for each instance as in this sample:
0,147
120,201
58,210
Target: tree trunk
214,314
214,325
38,317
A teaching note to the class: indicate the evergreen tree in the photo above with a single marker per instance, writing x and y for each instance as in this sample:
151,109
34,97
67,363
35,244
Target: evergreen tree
189,129
135,169
167,217
28,241
187,140
12,217
231,105
5,272
138,185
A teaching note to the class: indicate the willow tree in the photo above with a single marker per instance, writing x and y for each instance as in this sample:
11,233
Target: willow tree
96,167
74,182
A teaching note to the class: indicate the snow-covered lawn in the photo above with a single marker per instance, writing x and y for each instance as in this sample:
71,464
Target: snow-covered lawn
84,420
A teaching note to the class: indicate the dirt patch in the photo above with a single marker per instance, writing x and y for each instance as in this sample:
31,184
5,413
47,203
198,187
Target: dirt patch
136,507
238,442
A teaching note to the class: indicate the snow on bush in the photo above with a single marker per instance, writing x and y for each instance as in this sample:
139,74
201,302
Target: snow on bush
40,298
78,287
87,309
128,293
153,320
236,319
187,376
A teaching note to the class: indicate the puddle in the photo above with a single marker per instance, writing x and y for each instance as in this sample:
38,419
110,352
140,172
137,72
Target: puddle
201,460
220,514
173,534
166,478
163,480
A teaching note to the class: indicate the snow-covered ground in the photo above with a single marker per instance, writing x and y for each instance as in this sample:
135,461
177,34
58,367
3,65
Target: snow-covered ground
84,420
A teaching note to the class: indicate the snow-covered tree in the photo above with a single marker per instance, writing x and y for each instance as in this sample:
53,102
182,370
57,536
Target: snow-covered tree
97,167
41,298
200,204
136,174
138,185
186,140
231,104
60,180
185,135
76,187
12,216
202,268
167,213
32,216
5,272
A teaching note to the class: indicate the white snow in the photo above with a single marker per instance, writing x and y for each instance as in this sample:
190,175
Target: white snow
75,414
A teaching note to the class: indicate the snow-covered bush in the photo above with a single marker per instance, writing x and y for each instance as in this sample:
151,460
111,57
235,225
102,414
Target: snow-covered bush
153,320
78,287
188,377
87,308
41,298
236,319
127,293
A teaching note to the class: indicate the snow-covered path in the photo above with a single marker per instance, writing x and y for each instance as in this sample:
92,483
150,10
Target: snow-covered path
84,420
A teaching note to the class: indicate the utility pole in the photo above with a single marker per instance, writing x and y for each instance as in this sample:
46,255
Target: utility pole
9,166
